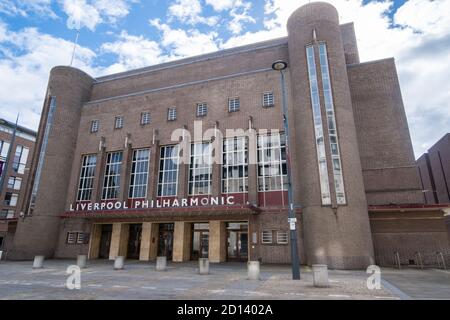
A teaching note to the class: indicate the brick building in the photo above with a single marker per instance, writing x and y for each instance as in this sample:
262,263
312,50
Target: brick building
15,172
108,180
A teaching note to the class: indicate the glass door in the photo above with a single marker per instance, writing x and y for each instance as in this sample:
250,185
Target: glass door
237,241
200,241
165,243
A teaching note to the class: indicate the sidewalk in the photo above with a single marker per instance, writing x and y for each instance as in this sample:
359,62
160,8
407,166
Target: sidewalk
139,280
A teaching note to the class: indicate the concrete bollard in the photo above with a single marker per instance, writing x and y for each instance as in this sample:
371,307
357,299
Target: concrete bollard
203,264
253,270
38,262
81,261
320,275
119,262
161,263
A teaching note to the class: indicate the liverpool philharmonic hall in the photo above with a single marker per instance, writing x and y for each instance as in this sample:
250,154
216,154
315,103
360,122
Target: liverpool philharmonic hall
188,159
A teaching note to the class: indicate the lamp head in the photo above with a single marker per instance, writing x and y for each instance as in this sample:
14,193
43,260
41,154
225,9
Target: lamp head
279,65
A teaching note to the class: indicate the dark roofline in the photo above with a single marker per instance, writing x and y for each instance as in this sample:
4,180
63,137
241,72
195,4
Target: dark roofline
20,128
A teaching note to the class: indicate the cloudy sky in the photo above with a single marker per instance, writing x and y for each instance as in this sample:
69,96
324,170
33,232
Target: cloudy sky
118,35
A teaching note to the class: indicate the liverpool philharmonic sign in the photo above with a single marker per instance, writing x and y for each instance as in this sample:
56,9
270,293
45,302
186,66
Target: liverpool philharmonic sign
150,204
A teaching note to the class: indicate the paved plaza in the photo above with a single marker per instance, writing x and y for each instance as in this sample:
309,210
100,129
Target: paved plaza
140,280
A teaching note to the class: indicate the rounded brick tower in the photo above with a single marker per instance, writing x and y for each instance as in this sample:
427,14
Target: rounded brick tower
37,233
331,192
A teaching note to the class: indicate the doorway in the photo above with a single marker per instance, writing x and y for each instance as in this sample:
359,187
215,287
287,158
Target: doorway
237,241
200,241
165,242
134,241
105,241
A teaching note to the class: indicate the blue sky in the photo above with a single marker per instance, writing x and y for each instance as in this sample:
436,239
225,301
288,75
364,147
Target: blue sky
119,35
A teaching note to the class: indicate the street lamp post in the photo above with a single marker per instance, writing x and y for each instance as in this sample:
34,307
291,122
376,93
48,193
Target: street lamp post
281,66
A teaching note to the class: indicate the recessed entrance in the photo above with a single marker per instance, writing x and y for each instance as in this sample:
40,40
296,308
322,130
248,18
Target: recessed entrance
237,240
200,241
105,241
165,242
134,241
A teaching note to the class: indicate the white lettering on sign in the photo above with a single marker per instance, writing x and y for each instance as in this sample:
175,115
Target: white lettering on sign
146,204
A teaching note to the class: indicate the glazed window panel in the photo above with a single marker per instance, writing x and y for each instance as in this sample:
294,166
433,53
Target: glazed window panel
145,118
267,237
94,126
268,99
14,183
235,165
233,104
20,159
202,109
11,199
118,123
111,181
318,127
168,171
87,175
200,170
272,167
172,114
139,174
332,127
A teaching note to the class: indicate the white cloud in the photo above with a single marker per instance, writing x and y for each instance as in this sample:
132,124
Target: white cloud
27,57
133,52
182,43
25,7
221,5
239,16
190,11
90,13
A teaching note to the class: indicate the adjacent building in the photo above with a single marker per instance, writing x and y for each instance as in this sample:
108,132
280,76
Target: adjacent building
189,159
15,160
434,170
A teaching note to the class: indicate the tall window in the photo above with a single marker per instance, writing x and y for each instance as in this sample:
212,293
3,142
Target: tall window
145,118
111,182
118,123
20,159
14,183
272,167
332,128
168,171
94,126
235,165
202,109
233,104
200,172
172,114
87,175
139,174
268,100
11,199
318,128
4,149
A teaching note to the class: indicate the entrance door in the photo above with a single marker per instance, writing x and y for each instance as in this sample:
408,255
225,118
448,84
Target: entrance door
200,244
134,241
165,243
237,238
105,241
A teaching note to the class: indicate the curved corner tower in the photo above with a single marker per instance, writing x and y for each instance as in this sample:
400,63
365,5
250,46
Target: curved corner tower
37,232
335,216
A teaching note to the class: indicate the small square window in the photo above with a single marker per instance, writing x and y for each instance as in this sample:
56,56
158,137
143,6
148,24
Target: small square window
268,100
71,238
202,109
233,104
267,237
145,118
118,123
94,126
82,238
282,237
172,114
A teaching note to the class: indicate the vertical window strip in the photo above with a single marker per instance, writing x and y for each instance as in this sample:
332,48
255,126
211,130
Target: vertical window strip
139,174
200,171
272,166
318,127
111,182
168,171
235,165
87,175
332,128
